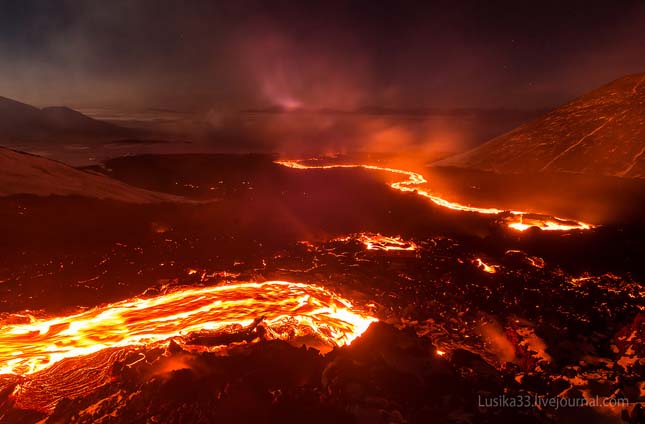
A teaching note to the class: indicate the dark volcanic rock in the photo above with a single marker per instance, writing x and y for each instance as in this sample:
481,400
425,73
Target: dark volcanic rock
386,376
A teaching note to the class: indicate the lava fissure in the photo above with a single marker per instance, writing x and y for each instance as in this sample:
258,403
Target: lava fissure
518,220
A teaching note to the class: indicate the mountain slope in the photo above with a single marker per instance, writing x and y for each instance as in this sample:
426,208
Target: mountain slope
66,119
21,173
600,133
22,122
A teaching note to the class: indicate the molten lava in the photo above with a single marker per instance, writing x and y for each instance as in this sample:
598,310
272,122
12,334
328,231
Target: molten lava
288,310
386,243
491,269
518,220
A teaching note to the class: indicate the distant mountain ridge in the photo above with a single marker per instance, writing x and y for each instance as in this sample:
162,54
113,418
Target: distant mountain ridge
23,122
600,133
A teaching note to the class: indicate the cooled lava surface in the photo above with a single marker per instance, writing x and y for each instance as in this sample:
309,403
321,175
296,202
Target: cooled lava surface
277,299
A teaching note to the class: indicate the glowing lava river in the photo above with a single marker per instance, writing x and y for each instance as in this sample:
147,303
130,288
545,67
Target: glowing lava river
204,343
29,345
287,310
517,220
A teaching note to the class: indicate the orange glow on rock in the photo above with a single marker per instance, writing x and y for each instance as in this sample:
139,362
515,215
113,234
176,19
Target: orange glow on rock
491,269
386,243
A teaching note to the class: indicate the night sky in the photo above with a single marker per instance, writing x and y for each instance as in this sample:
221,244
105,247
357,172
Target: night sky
236,55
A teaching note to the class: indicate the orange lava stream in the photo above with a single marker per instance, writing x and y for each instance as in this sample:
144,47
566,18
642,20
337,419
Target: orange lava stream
289,310
518,221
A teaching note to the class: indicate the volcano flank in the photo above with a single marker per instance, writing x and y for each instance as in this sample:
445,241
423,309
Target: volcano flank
601,132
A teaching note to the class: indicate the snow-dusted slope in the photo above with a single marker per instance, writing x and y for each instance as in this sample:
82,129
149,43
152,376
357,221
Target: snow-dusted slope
601,133
22,173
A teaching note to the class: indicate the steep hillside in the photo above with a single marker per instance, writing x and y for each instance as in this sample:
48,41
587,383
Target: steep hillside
600,133
21,173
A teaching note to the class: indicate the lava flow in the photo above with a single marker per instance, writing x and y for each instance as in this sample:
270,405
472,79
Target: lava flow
518,220
384,243
491,269
287,310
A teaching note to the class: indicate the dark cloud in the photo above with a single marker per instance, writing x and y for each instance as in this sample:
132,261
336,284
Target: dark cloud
224,56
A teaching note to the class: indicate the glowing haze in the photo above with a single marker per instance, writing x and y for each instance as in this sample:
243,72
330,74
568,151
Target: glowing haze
205,55
322,77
